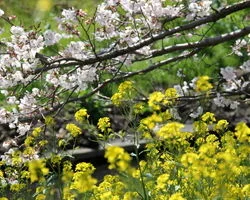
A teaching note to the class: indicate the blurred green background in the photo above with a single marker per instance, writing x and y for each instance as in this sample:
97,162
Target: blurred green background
28,12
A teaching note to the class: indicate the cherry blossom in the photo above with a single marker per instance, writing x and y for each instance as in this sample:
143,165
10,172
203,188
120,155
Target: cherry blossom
1,12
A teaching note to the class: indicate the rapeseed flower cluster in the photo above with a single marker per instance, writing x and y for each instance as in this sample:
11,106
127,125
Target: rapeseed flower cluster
73,129
49,121
124,93
104,124
117,158
81,115
37,170
157,99
202,84
208,162
82,179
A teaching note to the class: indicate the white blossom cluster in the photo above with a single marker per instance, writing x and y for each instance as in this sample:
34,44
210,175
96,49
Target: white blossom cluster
198,9
1,12
141,13
240,44
19,59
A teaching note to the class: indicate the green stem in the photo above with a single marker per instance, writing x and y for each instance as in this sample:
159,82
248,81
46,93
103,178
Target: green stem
141,175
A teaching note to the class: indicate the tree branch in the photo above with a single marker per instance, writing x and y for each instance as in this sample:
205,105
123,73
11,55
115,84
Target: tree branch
106,56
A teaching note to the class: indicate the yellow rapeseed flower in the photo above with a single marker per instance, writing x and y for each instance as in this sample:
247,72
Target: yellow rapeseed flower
85,167
170,130
189,158
17,187
242,132
117,99
151,121
37,170
155,100
208,117
28,141
83,182
49,121
202,84
40,197
176,196
131,196
104,124
68,194
221,125
43,143
118,158
125,86
36,132
162,181
246,190
55,159
171,95
81,115
73,129
124,92
82,179
138,108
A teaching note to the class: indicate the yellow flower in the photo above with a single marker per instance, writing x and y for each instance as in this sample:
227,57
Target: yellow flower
67,172
83,182
73,129
170,130
124,92
29,151
162,181
36,131
125,86
104,124
131,196
176,196
118,158
117,99
189,158
17,187
242,132
85,167
40,197
81,115
28,141
82,179
55,159
67,194
200,127
246,190
171,95
49,121
43,143
150,122
202,84
208,117
3,198
37,170
221,125
155,100
25,175
138,108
